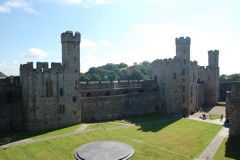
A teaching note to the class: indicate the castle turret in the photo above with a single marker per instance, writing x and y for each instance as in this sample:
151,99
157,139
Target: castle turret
183,48
71,51
212,78
213,58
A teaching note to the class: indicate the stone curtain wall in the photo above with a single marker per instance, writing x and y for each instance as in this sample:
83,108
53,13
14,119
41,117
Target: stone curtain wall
118,107
233,109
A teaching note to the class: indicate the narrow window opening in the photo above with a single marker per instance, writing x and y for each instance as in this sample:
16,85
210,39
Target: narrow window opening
61,91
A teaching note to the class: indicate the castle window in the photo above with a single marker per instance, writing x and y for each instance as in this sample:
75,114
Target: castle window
183,79
183,99
62,108
48,88
183,89
61,91
89,94
107,94
184,62
74,99
76,84
191,94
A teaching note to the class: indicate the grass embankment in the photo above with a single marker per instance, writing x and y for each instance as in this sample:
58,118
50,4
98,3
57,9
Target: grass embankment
172,139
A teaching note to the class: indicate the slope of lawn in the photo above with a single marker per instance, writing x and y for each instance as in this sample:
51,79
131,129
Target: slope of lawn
168,140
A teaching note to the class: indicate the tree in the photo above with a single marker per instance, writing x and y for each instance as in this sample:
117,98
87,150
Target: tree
84,77
112,76
95,77
137,74
122,65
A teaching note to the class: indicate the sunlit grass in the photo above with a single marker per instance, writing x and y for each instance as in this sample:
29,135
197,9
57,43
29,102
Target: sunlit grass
167,140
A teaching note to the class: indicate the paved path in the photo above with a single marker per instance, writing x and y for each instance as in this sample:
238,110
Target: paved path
82,127
213,146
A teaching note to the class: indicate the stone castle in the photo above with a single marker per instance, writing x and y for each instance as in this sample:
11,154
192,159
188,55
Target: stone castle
54,97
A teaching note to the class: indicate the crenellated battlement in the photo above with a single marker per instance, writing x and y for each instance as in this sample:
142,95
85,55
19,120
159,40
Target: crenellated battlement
213,52
182,41
69,37
41,67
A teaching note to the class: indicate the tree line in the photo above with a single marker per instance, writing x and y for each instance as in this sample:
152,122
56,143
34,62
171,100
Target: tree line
232,77
113,72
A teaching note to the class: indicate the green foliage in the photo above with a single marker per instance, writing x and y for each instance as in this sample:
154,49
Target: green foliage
112,72
2,74
232,77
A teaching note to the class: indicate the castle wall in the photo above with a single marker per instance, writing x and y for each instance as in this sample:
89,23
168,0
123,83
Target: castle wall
11,108
224,86
51,96
117,107
168,77
233,109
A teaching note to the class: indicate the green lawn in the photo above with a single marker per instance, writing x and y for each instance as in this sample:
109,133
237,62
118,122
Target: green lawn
168,140
229,149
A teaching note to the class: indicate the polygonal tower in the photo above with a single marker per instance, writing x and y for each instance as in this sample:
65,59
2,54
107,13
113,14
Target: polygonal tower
71,60
212,78
183,55
71,51
213,58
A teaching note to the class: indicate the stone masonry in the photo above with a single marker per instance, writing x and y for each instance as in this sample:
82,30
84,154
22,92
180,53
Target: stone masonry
54,97
233,109
184,85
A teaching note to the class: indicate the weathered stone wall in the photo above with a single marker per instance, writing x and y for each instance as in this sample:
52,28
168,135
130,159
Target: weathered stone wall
11,108
117,107
233,109
224,86
51,96
211,79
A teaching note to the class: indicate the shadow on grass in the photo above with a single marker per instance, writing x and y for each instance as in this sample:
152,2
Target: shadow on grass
11,137
152,123
233,147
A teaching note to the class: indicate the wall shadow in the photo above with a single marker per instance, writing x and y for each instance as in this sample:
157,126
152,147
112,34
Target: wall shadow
233,147
11,137
153,123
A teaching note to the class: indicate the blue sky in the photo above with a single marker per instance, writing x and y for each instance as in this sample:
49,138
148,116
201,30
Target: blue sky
115,31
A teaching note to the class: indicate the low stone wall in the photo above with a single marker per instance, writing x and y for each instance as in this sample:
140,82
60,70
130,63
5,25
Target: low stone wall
117,107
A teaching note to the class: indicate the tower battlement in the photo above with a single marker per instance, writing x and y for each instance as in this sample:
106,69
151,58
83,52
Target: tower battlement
69,37
213,52
182,41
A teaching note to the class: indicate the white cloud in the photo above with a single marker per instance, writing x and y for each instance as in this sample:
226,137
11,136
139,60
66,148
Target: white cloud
87,43
15,62
35,53
9,68
106,43
86,3
16,4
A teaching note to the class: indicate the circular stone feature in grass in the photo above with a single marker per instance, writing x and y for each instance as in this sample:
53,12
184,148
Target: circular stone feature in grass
104,150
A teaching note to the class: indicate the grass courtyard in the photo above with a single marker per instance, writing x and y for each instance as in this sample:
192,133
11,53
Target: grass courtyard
166,139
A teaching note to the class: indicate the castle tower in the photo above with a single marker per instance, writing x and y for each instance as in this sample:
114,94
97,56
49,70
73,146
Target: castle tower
183,48
212,78
213,58
71,60
183,55
71,51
